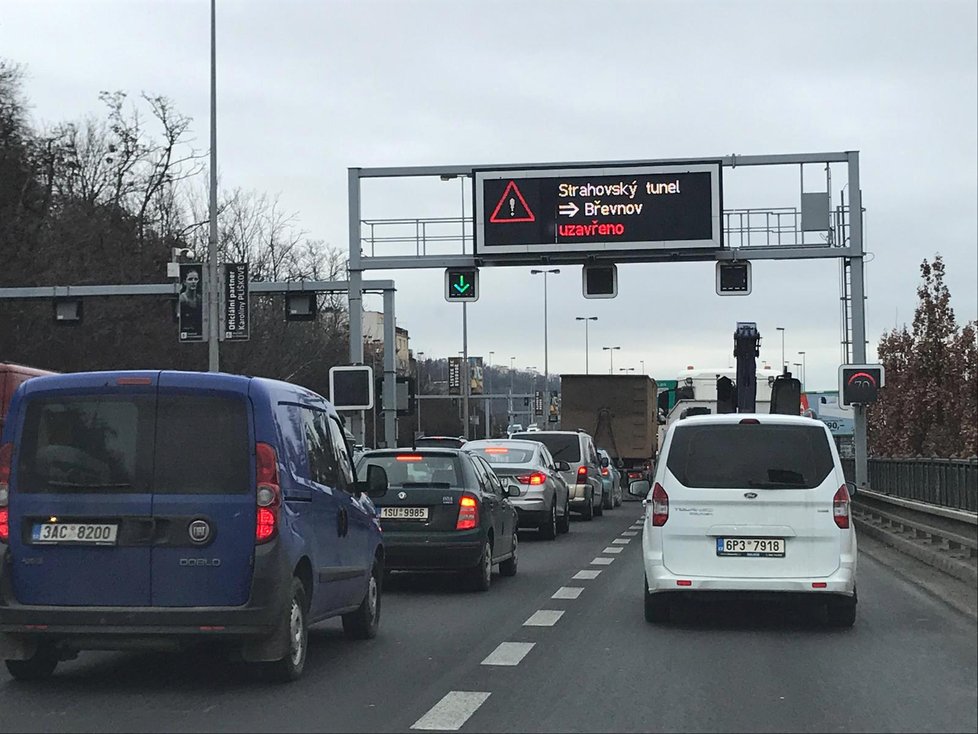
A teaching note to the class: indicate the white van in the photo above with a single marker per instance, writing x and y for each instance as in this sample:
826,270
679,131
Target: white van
749,503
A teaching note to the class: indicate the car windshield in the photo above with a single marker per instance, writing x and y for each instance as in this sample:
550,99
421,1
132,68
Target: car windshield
735,456
562,446
407,470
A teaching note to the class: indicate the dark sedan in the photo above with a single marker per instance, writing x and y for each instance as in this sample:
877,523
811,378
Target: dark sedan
445,510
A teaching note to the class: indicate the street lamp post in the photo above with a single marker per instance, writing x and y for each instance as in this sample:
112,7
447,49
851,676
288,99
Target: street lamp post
489,398
611,355
420,388
783,363
546,366
643,365
512,373
804,369
585,319
626,369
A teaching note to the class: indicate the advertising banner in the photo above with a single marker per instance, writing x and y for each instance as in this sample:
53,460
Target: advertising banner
191,302
237,322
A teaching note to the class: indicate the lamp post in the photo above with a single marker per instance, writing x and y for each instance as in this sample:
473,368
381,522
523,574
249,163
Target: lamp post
611,355
585,319
798,365
213,281
489,398
626,369
804,369
642,361
512,372
420,388
783,363
546,366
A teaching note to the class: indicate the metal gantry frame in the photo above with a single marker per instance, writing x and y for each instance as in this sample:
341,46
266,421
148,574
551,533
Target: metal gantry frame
389,405
850,250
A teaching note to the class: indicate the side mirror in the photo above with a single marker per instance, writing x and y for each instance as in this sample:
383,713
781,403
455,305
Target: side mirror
563,466
851,486
604,462
375,484
639,488
512,490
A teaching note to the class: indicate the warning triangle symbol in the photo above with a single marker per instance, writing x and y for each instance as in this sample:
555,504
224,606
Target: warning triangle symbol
512,207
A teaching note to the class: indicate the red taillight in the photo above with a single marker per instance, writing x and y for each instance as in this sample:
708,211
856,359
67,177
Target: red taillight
408,457
660,506
581,474
683,582
468,513
840,507
6,452
268,496
604,471
533,479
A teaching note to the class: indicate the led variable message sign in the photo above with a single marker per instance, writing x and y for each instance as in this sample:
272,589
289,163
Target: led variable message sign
598,210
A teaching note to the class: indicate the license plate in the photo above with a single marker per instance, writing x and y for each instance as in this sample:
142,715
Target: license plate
752,547
74,533
403,513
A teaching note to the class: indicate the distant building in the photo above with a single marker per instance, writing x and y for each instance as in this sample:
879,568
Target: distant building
373,332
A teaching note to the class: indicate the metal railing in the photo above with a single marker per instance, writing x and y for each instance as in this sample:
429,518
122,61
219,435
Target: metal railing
942,482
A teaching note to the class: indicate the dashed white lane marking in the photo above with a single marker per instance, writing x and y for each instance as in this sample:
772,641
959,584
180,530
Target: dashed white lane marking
585,575
452,711
612,550
509,653
543,618
630,533
637,526
621,541
568,592
602,561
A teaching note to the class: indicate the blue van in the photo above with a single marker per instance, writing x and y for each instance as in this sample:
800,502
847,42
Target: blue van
156,510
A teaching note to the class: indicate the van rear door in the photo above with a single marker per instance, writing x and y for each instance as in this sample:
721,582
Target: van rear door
80,496
204,497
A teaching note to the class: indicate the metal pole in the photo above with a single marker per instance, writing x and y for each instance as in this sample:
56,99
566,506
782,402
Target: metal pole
390,371
213,289
546,366
355,294
465,369
858,309
587,368
488,371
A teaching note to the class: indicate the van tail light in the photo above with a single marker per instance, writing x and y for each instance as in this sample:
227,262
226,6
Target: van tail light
840,507
268,495
532,479
581,474
660,506
6,453
468,513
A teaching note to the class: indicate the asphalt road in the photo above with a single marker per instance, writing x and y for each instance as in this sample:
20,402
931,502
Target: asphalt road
909,664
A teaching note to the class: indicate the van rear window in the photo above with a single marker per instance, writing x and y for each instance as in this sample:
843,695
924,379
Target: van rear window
182,444
735,456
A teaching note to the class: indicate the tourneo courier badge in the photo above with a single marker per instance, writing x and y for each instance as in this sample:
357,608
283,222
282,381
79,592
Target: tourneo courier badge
199,531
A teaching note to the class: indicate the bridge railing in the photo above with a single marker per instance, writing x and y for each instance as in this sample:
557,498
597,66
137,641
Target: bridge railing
943,482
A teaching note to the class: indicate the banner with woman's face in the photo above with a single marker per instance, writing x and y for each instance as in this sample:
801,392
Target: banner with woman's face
191,302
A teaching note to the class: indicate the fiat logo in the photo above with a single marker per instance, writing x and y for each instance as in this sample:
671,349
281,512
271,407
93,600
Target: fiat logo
199,531
750,495
402,495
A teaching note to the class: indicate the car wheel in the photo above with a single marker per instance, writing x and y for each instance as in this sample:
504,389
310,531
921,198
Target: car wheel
563,523
588,513
362,624
607,500
548,528
480,577
618,497
599,508
290,667
38,666
842,612
508,567
656,606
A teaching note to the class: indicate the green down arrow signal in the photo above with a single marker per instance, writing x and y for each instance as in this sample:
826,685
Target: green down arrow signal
462,286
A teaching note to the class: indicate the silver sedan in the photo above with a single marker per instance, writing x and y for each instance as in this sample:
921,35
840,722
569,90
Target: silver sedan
544,501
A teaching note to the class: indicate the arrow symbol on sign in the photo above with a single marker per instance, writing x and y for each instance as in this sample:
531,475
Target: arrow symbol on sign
569,209
462,286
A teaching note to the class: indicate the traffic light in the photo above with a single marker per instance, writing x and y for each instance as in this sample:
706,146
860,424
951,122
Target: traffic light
462,284
860,383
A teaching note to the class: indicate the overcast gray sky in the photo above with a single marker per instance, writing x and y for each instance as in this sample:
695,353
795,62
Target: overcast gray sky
308,88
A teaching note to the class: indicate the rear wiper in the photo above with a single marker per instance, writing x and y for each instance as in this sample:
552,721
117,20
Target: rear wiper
82,485
775,485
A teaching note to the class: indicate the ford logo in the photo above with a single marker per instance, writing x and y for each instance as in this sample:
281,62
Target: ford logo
750,495
199,531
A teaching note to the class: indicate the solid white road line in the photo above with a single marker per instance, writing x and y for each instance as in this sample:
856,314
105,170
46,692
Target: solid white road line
508,653
621,541
452,711
613,550
543,618
568,592
585,575
602,561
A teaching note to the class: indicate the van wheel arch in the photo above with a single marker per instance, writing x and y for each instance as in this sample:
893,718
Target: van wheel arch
303,572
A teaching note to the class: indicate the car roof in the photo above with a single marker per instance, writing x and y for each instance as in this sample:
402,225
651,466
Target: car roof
763,418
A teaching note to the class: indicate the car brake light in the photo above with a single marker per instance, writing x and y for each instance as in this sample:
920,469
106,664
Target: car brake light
6,453
408,457
468,513
604,471
497,450
840,507
533,479
581,473
268,495
660,506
